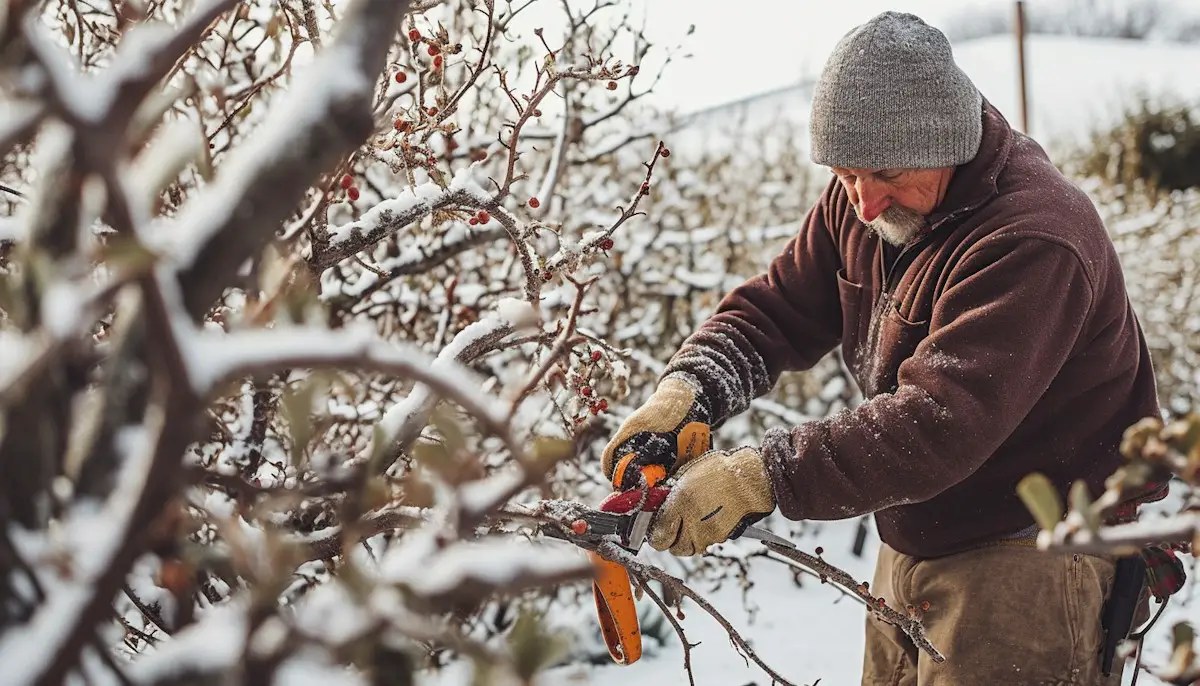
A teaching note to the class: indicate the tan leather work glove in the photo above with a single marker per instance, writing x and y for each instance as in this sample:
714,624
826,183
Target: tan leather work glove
671,425
715,497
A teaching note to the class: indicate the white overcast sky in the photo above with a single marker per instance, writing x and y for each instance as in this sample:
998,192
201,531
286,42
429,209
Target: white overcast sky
743,47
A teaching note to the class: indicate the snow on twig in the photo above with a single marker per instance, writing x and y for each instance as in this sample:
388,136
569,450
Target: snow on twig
96,538
213,359
324,115
493,563
391,215
1181,528
402,423
143,57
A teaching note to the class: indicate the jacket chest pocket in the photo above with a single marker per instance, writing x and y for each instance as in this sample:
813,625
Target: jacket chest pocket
876,338
852,297
891,339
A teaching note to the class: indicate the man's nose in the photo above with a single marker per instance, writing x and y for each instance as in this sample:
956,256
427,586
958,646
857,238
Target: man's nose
872,203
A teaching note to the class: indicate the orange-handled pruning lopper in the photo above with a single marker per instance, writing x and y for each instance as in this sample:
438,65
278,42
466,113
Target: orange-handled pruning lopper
624,518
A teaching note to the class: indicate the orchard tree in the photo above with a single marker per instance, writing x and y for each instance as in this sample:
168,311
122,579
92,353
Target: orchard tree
312,315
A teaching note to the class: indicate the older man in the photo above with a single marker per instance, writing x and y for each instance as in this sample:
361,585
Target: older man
981,308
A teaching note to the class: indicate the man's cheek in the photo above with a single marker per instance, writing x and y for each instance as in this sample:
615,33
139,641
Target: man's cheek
851,193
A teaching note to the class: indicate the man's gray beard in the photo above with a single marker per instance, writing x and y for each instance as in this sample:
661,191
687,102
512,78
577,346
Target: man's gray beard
898,225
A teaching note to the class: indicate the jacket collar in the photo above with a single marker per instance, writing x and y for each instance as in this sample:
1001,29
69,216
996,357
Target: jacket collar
975,182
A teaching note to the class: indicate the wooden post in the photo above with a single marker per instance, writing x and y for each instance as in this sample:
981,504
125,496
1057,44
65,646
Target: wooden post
1023,94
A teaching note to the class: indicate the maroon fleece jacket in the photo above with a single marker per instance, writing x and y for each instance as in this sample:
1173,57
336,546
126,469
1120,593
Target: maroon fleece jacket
999,343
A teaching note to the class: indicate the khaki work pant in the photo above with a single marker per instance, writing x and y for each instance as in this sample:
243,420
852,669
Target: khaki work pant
1003,615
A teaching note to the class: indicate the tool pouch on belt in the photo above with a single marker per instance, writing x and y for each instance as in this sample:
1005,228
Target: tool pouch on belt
1122,605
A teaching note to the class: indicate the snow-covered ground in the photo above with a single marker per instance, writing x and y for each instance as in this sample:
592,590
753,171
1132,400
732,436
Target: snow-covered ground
808,633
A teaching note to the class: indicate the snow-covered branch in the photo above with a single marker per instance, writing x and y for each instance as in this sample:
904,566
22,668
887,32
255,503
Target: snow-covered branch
325,115
1181,529
215,359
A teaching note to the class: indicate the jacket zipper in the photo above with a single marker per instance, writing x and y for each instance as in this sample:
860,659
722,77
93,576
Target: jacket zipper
902,262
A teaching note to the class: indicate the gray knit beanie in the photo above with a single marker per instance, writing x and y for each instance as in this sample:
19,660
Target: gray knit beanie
891,96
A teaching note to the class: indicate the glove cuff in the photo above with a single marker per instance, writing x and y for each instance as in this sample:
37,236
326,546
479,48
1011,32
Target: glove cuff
700,412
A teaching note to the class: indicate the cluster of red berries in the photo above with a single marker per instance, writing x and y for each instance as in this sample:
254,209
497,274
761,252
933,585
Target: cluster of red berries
347,185
432,49
481,217
595,405
584,392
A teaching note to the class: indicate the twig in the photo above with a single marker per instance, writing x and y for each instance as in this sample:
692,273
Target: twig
595,242
1181,528
155,618
910,625
613,553
687,646
566,340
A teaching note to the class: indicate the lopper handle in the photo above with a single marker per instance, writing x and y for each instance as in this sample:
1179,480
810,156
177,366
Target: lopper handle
613,593
611,587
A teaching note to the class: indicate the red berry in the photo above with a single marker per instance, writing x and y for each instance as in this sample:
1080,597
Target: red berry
666,152
352,192
602,404
347,181
533,202
432,49
612,85
432,110
414,34
606,244
437,62
595,356
820,550
586,391
174,576
472,221
484,217
924,606
401,77
401,125
595,409
579,526
547,275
